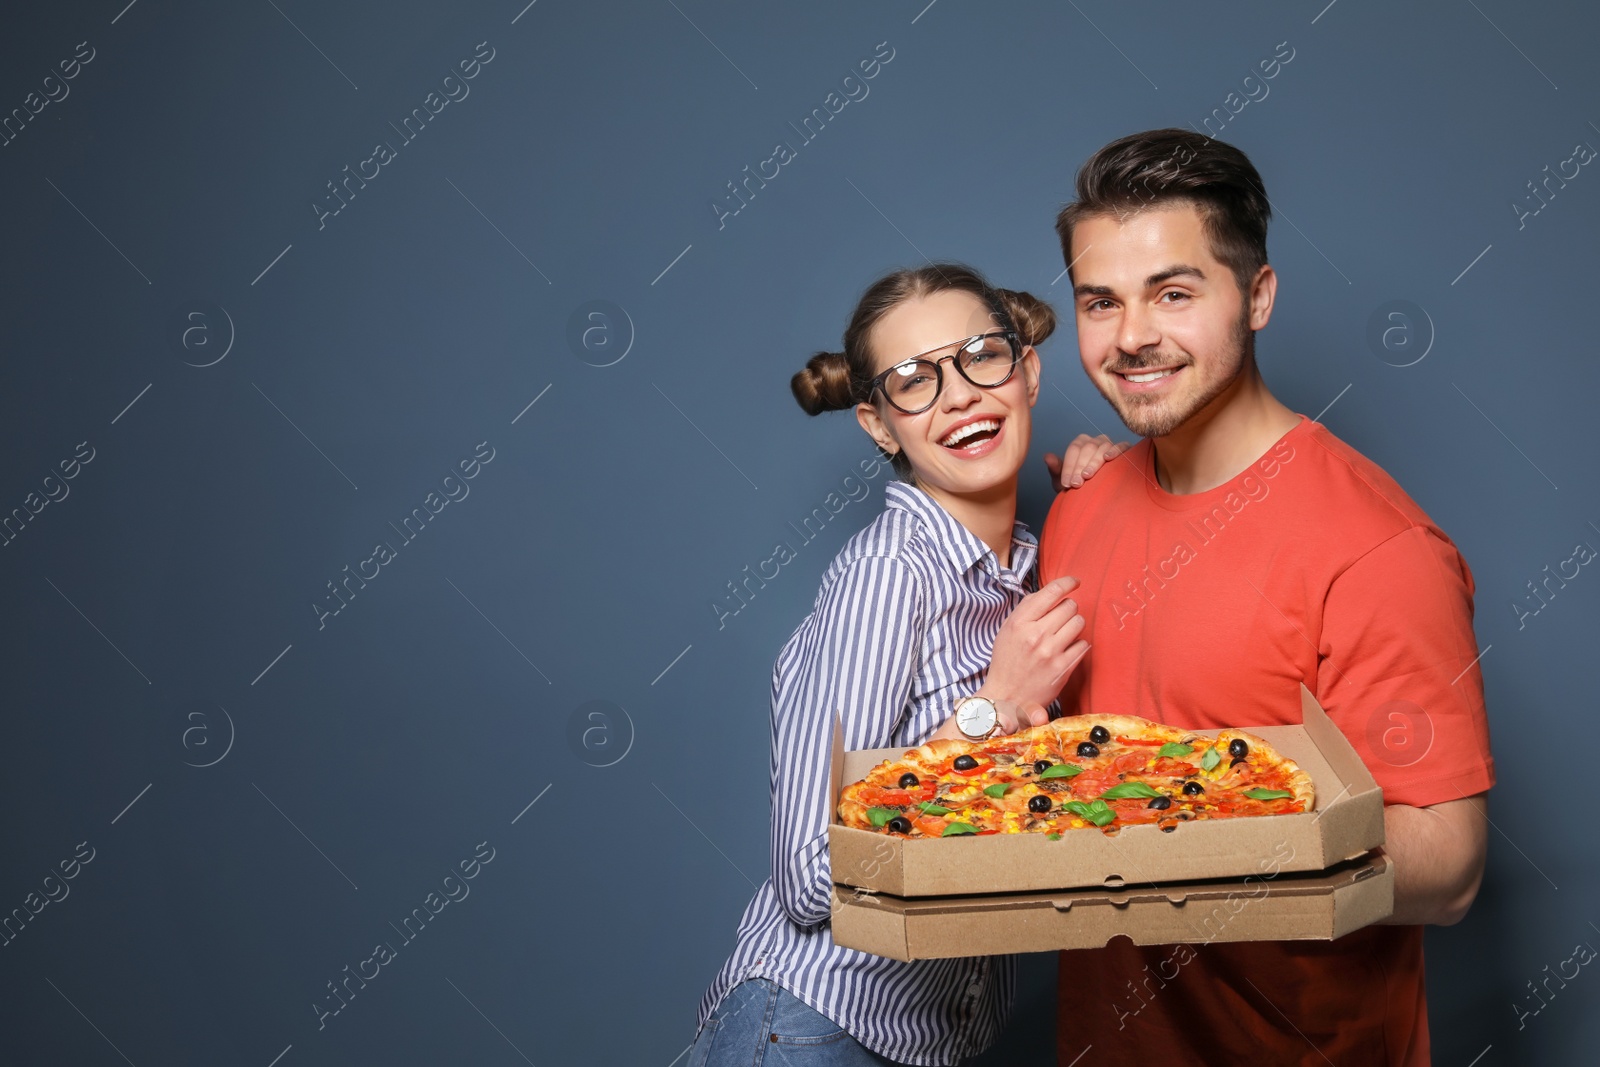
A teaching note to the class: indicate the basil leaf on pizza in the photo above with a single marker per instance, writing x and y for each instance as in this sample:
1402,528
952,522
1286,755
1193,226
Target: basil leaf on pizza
1127,790
880,816
1174,748
1060,770
957,828
997,790
1210,760
1095,811
1267,794
928,807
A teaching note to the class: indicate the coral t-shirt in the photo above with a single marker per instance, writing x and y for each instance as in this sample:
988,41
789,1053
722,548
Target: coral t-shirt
1208,610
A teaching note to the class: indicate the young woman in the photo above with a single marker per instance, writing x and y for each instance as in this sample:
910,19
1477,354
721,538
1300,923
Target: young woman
927,606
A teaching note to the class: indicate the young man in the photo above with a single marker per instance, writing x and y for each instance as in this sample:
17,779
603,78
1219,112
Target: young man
1239,550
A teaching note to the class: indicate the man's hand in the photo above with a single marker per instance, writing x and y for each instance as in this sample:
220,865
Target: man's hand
1037,646
1083,457
1438,853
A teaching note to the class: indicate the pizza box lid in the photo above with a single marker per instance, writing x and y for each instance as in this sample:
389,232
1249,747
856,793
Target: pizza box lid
1346,822
1291,906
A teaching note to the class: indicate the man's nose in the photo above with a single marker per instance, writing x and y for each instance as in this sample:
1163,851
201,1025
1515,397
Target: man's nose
1137,330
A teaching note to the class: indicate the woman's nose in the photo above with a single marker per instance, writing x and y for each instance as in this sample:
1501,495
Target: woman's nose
958,392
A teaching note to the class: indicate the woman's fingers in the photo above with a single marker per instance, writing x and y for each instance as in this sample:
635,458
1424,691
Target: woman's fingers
1072,628
1059,619
1038,604
1084,458
1064,470
1081,458
1014,716
1105,455
1061,615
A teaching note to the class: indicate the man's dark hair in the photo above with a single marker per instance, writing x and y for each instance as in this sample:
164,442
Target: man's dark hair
1161,167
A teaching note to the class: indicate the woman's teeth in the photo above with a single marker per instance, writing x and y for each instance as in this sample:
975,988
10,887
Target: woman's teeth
956,437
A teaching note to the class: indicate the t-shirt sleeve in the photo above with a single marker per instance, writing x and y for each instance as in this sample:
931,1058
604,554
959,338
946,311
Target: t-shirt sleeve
1398,670
856,660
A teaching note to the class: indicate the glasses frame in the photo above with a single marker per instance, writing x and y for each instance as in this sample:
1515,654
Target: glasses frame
876,385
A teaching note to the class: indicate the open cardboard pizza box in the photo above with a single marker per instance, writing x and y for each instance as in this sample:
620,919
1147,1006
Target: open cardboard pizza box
1346,823
1321,905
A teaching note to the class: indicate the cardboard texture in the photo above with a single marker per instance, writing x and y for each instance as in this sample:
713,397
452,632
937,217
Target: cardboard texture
1323,905
1346,823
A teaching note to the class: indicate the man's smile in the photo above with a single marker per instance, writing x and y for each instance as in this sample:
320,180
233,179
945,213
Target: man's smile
1145,380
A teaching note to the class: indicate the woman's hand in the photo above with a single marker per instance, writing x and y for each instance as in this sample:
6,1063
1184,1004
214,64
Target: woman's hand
1037,647
1083,457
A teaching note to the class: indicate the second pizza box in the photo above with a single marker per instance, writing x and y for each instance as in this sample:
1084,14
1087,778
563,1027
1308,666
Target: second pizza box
1347,823
1318,905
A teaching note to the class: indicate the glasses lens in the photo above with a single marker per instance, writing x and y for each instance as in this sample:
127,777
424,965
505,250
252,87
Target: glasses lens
912,384
987,360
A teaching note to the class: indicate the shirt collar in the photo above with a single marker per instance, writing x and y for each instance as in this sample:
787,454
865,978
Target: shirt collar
960,545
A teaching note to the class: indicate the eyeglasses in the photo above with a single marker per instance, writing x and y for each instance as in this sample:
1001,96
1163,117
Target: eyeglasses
986,360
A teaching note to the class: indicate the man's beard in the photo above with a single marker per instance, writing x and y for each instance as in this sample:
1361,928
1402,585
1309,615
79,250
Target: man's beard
1158,416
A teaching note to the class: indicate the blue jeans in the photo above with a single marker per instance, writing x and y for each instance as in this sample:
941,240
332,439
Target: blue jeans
759,1024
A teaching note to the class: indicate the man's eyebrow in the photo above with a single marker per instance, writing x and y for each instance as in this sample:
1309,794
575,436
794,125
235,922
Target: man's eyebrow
1159,277
1171,272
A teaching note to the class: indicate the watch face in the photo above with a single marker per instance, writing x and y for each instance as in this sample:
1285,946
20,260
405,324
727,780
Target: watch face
975,716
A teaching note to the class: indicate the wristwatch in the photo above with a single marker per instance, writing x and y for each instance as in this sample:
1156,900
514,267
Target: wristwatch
977,718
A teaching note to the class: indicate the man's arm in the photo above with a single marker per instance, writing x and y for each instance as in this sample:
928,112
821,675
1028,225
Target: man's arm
1438,853
1397,641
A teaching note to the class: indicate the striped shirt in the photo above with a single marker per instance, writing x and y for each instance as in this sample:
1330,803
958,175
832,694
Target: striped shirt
902,628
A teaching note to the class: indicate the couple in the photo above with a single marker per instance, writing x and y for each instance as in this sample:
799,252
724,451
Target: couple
1237,551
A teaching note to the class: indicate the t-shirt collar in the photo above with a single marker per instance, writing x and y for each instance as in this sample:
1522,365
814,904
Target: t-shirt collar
960,545
1143,454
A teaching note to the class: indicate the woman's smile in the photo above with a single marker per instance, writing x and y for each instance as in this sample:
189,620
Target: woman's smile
975,436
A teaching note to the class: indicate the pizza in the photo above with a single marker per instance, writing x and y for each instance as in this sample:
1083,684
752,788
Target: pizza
1106,771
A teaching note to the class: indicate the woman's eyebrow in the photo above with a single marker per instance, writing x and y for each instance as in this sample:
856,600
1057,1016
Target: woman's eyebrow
947,344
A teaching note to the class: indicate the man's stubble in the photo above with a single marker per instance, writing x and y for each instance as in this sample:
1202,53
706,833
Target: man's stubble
1159,416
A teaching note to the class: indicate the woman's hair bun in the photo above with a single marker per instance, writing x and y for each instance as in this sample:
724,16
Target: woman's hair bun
824,384
1034,319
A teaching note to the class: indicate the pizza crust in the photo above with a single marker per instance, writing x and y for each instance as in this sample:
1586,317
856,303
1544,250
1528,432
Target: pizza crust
943,748
851,811
1077,727
1299,781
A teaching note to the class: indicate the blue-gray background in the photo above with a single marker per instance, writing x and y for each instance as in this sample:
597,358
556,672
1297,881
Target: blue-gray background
163,609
